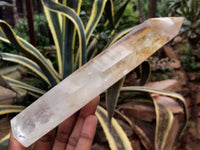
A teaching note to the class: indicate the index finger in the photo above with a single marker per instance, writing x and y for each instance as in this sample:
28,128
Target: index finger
14,144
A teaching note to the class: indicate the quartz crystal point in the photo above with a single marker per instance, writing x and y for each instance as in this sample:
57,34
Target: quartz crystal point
93,78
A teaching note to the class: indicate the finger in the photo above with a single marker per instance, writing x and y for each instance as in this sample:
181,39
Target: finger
87,133
90,108
64,132
46,142
87,110
14,144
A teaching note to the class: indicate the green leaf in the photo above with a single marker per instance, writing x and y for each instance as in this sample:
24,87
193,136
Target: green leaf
92,45
118,15
144,72
72,15
137,129
55,23
122,33
96,13
69,39
93,51
119,35
63,33
30,51
164,120
25,62
112,95
110,13
115,135
16,83
7,109
4,142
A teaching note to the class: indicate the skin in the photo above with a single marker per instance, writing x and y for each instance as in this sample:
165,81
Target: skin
75,133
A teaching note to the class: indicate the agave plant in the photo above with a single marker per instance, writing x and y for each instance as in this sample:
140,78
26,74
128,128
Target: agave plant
190,10
75,45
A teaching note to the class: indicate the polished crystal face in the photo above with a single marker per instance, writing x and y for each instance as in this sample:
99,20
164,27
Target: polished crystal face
93,78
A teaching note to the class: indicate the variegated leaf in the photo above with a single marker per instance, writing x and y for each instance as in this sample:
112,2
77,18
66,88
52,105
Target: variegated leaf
116,137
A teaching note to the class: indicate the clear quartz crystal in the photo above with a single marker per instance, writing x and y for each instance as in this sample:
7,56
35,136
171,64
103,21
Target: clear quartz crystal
92,79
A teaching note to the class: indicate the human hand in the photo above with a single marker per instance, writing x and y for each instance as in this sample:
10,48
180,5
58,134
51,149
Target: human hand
77,132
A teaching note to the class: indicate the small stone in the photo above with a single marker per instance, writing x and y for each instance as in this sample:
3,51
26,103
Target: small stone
174,64
50,48
6,96
192,76
178,39
169,52
168,85
169,103
181,77
138,111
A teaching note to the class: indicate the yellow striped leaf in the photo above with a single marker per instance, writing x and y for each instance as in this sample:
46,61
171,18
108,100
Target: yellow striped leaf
178,98
25,62
3,83
29,50
109,11
116,137
55,24
96,13
4,142
22,85
71,15
164,120
119,13
69,37
7,109
144,72
112,95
